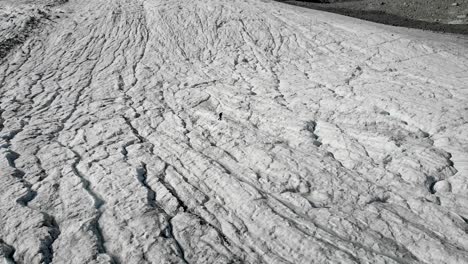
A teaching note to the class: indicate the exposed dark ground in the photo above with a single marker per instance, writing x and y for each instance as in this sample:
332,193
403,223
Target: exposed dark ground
450,16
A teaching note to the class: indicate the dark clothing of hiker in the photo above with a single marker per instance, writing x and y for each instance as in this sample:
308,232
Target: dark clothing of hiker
220,116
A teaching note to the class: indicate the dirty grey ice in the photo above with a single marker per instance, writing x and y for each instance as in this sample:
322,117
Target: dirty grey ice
341,141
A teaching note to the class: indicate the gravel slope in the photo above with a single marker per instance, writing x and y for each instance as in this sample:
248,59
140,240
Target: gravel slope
449,16
342,141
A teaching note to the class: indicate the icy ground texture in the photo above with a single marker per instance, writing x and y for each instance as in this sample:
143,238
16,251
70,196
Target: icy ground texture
342,141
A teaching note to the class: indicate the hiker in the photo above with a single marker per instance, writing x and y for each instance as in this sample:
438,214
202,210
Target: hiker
220,116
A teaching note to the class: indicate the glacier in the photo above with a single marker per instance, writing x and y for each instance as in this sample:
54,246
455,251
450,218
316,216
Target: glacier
342,141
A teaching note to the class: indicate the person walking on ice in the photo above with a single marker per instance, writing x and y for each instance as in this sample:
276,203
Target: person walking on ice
220,116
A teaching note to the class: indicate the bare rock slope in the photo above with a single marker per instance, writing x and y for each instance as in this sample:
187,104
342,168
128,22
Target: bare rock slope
342,141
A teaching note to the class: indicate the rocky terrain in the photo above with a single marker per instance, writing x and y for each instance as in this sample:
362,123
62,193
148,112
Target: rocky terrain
341,140
437,15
